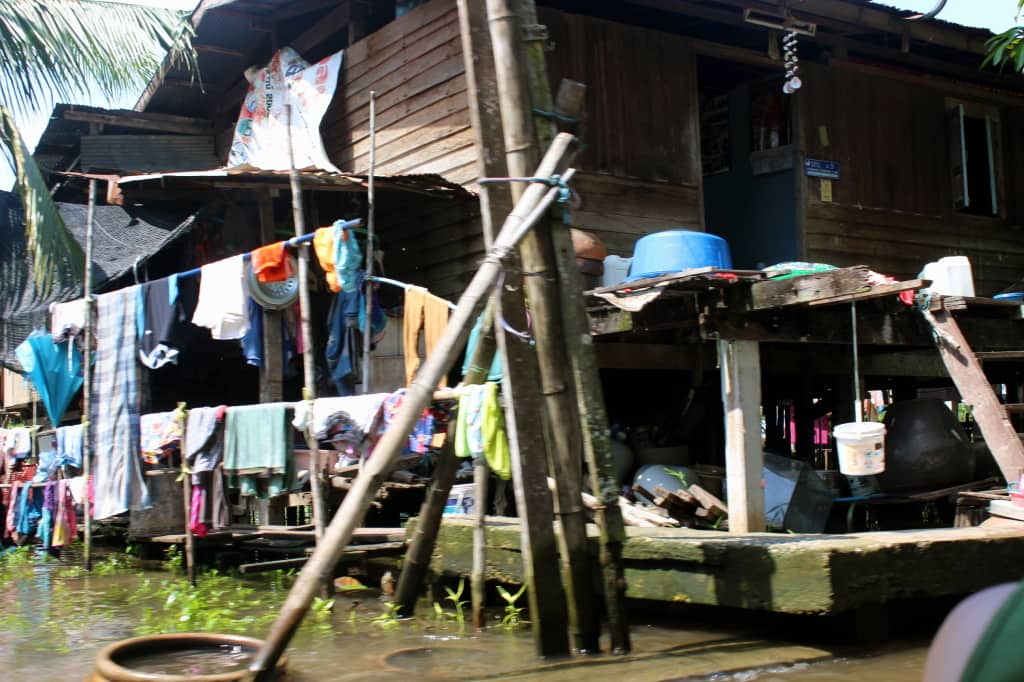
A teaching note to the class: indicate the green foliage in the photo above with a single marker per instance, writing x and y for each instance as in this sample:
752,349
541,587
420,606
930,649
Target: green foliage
677,475
389,619
455,597
115,563
1007,48
174,559
513,614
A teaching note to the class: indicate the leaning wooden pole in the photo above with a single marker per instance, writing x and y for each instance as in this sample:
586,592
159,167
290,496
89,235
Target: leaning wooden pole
321,564
308,357
417,557
513,81
88,333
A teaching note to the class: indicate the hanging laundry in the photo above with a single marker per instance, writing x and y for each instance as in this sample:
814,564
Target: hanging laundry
65,524
271,263
494,373
114,416
252,342
223,299
69,446
195,515
348,258
11,518
19,442
423,311
30,510
54,369
323,247
49,510
345,323
358,414
165,309
480,428
46,466
159,437
421,440
258,450
204,450
67,319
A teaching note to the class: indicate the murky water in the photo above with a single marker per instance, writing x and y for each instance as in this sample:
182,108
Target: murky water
54,618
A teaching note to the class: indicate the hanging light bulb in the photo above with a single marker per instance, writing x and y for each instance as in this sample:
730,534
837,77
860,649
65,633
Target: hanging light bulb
792,62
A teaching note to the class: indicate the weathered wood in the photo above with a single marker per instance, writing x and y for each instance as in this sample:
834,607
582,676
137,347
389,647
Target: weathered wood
744,460
88,335
421,547
272,371
522,83
186,492
148,121
877,291
709,501
776,293
969,378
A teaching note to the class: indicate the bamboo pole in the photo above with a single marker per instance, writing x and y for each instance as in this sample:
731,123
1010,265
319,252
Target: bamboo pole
186,491
308,367
370,211
87,439
353,508
520,383
514,83
417,557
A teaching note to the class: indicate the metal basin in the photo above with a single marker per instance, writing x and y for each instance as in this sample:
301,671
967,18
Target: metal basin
134,660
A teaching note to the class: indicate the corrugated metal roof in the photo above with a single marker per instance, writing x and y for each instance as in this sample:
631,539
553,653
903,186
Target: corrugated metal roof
141,153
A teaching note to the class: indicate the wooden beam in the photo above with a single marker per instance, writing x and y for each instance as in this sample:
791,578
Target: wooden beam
324,29
187,84
215,49
147,121
828,284
298,7
744,460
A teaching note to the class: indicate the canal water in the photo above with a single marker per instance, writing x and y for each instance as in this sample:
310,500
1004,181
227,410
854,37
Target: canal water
54,618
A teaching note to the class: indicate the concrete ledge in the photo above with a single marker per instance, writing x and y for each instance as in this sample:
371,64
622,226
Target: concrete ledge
799,574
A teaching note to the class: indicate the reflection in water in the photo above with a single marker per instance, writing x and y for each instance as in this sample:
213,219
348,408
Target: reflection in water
54,618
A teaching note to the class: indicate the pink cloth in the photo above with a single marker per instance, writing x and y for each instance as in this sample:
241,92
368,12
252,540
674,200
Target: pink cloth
195,521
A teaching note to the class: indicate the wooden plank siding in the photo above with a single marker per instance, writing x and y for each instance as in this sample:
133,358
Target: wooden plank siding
892,209
415,66
640,166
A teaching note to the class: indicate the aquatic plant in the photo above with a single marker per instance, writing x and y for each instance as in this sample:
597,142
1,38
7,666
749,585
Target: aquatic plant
389,619
513,614
114,563
174,560
455,597
677,475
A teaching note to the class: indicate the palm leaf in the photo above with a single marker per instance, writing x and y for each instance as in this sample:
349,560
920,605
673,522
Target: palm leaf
60,48
55,253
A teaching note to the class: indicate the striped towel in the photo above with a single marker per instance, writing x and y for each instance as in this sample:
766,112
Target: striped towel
114,413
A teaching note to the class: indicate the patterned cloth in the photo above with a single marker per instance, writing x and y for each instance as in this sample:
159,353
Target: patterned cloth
357,414
114,416
160,436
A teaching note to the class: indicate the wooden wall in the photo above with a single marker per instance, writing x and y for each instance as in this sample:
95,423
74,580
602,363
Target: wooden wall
415,66
892,209
642,153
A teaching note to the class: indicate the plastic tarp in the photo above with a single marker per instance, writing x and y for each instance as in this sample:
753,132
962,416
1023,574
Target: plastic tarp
55,369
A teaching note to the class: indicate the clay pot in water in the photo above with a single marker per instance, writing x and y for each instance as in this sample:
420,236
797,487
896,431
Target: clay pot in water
114,662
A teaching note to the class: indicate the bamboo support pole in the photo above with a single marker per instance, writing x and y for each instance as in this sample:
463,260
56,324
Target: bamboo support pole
88,332
308,367
520,382
186,492
519,72
321,564
370,212
417,556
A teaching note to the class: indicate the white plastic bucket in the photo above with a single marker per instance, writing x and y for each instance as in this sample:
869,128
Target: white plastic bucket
950,275
861,448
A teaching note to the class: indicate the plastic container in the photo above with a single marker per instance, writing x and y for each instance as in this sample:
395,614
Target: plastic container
616,269
461,500
861,448
671,251
950,276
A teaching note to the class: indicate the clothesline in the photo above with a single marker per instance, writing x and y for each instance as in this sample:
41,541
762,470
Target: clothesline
290,243
402,285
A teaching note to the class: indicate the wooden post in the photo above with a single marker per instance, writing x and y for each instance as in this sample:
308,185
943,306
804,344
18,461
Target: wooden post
513,69
523,403
181,414
744,460
353,508
272,371
371,210
417,556
88,335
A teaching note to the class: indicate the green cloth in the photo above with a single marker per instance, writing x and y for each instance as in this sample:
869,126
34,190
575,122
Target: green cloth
480,428
258,455
999,656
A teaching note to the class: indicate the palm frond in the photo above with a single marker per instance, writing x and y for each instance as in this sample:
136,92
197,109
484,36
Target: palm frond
60,48
55,253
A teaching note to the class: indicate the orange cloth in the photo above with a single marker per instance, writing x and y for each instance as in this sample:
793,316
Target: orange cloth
323,246
426,311
271,263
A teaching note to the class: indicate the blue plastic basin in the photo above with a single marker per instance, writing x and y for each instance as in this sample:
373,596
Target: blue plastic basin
671,251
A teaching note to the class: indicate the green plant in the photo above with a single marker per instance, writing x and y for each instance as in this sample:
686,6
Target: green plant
677,475
174,560
389,619
513,614
1006,48
114,563
455,597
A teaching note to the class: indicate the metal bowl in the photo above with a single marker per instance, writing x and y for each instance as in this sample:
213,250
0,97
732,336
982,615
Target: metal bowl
273,295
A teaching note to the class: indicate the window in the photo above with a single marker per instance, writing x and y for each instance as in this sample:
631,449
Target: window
974,158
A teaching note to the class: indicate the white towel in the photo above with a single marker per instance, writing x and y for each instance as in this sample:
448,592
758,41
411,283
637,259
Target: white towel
359,411
223,299
67,315
19,441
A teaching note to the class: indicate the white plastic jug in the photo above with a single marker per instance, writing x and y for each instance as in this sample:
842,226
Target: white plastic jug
950,276
861,448
615,270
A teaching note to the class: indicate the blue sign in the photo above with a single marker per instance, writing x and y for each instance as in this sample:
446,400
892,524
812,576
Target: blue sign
816,168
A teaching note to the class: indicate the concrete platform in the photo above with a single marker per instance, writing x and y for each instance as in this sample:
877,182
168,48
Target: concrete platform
798,574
